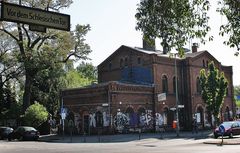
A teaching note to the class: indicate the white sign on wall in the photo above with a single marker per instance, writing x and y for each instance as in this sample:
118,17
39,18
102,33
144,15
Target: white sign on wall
161,96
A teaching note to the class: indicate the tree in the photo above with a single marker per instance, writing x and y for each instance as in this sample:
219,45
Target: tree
35,115
214,88
87,70
73,79
230,9
237,93
39,51
174,22
237,90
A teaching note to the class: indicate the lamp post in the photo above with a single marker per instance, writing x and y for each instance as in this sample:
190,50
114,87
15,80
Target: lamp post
176,86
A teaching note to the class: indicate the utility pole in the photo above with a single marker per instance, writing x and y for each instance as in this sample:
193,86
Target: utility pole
176,86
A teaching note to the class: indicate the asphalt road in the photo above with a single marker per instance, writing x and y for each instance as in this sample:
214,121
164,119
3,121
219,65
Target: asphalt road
150,145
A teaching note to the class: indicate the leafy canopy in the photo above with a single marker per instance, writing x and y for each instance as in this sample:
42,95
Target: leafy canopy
173,21
214,88
230,9
35,115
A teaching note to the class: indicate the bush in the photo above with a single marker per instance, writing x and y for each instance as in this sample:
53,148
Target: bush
35,115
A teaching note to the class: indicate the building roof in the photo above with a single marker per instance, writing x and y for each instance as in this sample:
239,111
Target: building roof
160,53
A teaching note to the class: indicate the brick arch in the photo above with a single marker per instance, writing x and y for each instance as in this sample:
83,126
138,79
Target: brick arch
197,106
227,114
129,109
140,109
200,110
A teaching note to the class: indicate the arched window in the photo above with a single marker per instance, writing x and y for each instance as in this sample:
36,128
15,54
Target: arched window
139,60
126,62
110,66
227,92
121,63
198,85
203,63
164,84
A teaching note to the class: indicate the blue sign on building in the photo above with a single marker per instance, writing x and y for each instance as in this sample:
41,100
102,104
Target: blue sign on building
137,75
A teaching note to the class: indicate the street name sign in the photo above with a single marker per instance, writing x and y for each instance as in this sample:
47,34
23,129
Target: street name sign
34,16
162,96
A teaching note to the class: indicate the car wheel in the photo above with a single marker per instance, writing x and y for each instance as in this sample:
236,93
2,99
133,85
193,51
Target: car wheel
231,135
20,138
9,139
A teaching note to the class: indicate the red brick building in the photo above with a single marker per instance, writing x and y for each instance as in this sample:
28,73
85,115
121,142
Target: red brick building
129,82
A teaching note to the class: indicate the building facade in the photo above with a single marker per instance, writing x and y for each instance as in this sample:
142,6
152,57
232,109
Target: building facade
130,82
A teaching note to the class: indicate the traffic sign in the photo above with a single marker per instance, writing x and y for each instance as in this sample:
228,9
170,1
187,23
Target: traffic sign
221,129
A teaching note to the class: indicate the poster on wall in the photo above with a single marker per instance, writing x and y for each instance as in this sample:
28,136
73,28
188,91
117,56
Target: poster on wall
198,116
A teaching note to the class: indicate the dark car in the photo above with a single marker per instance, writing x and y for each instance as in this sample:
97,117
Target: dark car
24,133
5,131
231,128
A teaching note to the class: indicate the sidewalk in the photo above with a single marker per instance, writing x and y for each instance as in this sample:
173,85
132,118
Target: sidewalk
121,137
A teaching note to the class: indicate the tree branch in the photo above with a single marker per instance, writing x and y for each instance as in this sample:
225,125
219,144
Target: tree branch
28,37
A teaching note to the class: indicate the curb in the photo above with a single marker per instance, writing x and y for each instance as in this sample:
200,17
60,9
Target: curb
220,143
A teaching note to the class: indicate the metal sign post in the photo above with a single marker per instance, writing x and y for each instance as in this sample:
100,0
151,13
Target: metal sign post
222,130
63,115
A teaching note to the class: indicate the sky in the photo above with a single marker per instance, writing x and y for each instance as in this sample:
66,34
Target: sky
113,24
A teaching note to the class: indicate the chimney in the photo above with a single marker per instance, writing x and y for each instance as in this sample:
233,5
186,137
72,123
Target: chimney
149,44
194,47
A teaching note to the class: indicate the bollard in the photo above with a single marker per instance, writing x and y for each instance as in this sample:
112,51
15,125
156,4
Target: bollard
139,134
84,137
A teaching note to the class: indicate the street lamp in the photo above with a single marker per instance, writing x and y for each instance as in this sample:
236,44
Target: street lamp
176,86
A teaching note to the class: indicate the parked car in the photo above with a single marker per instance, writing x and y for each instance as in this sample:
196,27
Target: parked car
4,132
231,128
24,133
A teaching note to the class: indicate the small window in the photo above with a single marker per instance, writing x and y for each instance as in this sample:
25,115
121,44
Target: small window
207,64
110,66
121,63
126,61
164,84
139,60
203,63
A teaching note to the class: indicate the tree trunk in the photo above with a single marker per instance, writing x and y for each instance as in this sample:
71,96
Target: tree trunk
27,91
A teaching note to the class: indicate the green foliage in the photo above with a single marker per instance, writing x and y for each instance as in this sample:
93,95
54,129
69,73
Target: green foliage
214,88
74,79
87,70
173,21
35,115
237,90
230,9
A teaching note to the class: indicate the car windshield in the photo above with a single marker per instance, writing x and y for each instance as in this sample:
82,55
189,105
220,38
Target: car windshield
29,129
227,124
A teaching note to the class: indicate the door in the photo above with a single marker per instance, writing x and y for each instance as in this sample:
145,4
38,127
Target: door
86,124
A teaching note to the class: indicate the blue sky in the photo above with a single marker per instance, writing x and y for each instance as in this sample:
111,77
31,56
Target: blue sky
113,24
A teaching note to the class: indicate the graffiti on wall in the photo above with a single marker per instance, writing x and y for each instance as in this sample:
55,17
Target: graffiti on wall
121,120
124,121
93,121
